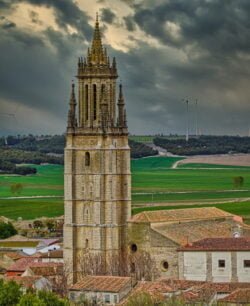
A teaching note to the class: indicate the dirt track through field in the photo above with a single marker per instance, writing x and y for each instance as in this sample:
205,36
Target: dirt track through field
225,159
182,203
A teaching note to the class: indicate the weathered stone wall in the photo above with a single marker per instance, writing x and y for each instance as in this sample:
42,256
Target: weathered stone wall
162,250
97,196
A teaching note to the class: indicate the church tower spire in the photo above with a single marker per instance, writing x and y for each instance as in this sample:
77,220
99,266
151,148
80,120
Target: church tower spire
97,192
97,53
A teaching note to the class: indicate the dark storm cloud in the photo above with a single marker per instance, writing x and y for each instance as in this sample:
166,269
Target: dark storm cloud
35,75
5,4
218,26
107,15
129,22
66,12
205,57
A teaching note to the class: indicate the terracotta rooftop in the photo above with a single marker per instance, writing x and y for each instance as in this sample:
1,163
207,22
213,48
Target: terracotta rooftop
188,232
46,268
188,291
197,295
186,214
219,244
182,285
14,255
26,281
239,297
155,287
21,264
102,283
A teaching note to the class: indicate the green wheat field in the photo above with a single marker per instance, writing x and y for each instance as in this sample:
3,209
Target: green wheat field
155,185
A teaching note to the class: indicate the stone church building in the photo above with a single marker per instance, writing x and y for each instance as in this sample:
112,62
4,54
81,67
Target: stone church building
97,180
97,161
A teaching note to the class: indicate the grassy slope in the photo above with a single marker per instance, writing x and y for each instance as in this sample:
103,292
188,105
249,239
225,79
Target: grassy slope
149,175
31,208
155,174
48,181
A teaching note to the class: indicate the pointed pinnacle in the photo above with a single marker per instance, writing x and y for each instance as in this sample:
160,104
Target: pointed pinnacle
121,99
72,98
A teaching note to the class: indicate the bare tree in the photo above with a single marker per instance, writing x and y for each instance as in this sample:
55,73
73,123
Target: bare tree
140,265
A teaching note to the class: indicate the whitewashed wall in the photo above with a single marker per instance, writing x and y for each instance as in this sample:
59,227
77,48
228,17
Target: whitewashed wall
243,273
221,274
195,266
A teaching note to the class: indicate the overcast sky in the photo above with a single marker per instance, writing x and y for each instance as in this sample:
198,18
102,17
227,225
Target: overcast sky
166,50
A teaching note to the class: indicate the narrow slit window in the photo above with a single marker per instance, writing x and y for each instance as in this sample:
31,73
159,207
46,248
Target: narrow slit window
87,159
102,90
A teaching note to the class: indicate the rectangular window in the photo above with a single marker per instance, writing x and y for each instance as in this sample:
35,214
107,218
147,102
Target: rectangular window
246,263
221,263
107,298
115,299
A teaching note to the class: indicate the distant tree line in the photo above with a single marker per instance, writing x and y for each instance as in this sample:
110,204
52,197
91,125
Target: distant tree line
205,145
44,149
139,149
10,158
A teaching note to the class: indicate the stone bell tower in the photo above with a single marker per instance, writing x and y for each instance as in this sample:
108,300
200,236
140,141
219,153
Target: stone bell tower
97,180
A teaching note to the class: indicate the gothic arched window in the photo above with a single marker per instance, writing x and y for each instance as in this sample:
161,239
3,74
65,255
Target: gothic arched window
95,101
87,102
87,159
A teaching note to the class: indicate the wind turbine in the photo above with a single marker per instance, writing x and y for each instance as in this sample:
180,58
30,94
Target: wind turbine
196,118
187,122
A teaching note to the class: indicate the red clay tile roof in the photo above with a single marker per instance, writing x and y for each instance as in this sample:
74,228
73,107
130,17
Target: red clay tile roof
26,281
102,283
191,231
189,291
14,255
177,285
21,264
198,295
219,244
46,268
186,214
155,287
238,296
